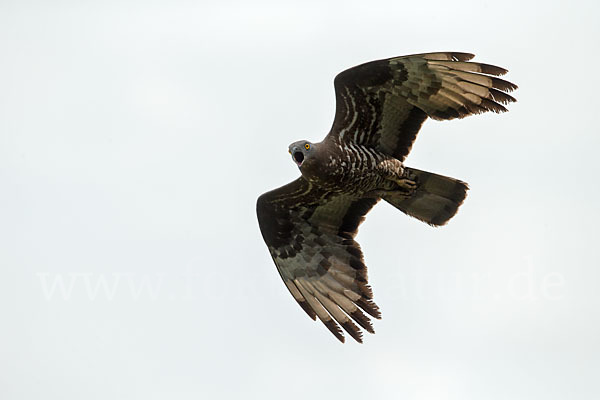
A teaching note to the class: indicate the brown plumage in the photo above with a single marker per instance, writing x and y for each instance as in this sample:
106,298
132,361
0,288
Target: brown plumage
309,225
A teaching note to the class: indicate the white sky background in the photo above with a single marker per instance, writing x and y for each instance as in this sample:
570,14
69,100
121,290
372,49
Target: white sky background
136,137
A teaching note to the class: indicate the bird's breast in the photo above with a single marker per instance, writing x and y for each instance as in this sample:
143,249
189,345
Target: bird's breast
340,171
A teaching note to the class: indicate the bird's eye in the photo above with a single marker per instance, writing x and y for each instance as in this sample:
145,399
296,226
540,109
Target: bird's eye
307,146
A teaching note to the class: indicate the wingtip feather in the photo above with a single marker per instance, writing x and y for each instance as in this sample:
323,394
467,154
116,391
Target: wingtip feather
459,56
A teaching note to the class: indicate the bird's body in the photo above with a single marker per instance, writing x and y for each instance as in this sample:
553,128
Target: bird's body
309,225
352,169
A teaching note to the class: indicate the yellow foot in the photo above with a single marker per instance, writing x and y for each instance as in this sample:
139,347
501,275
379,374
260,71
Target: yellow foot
406,184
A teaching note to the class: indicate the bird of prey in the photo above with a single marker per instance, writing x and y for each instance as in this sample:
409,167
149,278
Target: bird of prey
309,225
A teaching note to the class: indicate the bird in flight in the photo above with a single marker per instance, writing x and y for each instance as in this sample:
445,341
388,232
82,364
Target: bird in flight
309,225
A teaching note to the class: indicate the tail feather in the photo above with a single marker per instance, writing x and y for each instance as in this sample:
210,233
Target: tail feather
435,200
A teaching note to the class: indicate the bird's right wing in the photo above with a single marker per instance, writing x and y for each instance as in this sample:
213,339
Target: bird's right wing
382,104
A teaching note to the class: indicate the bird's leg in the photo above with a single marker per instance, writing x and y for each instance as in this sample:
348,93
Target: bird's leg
398,182
403,180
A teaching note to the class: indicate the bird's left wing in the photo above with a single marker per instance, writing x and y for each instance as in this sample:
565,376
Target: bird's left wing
310,235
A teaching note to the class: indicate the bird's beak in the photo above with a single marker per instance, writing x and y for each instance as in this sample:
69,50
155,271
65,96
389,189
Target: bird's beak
297,155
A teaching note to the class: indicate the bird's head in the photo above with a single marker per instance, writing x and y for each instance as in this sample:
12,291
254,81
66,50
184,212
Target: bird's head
302,151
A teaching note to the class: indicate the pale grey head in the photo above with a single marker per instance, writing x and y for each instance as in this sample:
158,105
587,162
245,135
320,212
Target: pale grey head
301,151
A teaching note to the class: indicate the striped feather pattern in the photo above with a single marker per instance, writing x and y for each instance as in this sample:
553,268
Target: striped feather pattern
311,239
446,86
382,104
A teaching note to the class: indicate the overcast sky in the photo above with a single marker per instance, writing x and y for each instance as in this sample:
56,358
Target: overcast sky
135,138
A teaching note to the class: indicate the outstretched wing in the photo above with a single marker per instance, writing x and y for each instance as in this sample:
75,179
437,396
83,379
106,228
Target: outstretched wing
382,104
310,235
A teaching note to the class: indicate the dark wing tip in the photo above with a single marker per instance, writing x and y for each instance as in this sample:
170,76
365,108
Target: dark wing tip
335,329
443,56
501,97
492,69
362,320
369,307
353,330
458,56
503,85
306,307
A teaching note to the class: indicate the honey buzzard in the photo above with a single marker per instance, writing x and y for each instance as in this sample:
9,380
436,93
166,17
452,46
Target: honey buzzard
309,225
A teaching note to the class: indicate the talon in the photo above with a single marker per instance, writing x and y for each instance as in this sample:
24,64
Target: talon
406,183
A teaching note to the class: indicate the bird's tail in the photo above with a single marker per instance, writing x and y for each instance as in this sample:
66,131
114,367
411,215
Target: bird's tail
435,200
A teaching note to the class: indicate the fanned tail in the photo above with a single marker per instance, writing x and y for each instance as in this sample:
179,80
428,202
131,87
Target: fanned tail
435,200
